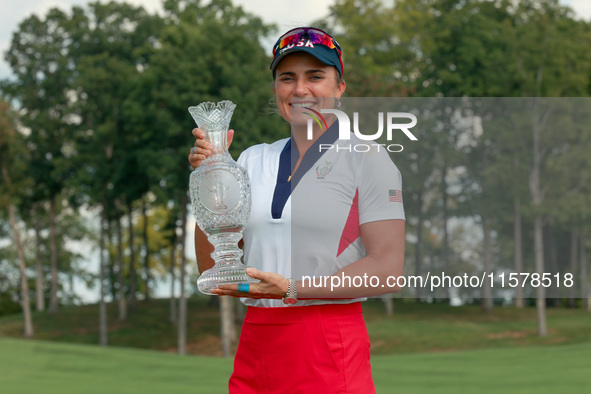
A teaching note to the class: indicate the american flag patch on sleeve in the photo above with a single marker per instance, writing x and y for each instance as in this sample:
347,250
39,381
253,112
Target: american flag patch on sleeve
395,196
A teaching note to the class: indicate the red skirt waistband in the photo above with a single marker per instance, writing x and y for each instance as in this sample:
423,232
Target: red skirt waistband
259,315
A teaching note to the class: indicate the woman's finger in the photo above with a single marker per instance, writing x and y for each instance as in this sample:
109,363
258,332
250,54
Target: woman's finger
195,159
230,137
257,274
199,150
198,133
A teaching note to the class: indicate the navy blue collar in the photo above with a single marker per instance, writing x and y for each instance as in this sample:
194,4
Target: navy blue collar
287,180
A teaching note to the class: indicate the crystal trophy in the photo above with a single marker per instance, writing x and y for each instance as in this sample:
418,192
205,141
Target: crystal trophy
220,198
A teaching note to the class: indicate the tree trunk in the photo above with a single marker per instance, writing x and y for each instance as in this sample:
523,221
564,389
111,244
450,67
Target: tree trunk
551,256
574,237
25,302
583,273
540,290
182,322
518,251
122,302
173,316
240,312
487,294
228,325
110,278
39,290
445,254
537,198
102,304
132,280
389,301
146,252
53,298
418,261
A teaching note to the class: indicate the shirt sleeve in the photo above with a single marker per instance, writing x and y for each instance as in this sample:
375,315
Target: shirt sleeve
243,158
380,188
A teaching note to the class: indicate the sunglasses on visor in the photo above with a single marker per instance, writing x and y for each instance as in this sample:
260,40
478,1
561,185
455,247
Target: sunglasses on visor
316,36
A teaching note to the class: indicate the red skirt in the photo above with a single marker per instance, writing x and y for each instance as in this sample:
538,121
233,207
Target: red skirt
306,349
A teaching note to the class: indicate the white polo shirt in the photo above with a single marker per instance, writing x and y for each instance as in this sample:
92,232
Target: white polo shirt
308,225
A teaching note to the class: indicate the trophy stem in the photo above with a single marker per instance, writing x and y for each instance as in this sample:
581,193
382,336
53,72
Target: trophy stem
226,251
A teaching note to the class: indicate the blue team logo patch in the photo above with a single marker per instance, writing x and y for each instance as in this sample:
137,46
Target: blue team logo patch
323,170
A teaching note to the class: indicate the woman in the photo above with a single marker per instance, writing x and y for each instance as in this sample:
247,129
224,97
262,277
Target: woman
317,213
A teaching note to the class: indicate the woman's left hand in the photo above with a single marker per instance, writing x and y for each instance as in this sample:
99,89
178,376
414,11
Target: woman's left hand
271,285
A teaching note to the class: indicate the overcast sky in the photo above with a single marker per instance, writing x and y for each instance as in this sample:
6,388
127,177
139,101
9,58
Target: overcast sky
285,13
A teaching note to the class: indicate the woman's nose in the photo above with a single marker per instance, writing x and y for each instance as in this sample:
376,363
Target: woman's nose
301,88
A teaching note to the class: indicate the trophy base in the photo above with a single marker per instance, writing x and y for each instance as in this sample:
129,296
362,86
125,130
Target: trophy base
229,275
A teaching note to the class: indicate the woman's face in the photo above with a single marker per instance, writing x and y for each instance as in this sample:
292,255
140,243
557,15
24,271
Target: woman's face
301,81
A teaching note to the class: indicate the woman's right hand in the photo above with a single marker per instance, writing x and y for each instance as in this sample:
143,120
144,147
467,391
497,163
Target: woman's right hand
202,149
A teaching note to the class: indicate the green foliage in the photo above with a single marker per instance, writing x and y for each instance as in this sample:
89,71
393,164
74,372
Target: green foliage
206,53
160,235
14,182
376,60
38,58
7,305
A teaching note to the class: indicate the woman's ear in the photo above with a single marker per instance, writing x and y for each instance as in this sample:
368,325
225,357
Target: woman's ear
341,88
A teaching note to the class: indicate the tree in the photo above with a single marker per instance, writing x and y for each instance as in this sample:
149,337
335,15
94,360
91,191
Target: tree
38,58
196,61
11,147
109,43
548,69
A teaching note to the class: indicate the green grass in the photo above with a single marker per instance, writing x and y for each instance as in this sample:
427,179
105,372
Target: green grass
413,328
549,369
423,348
47,367
441,328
